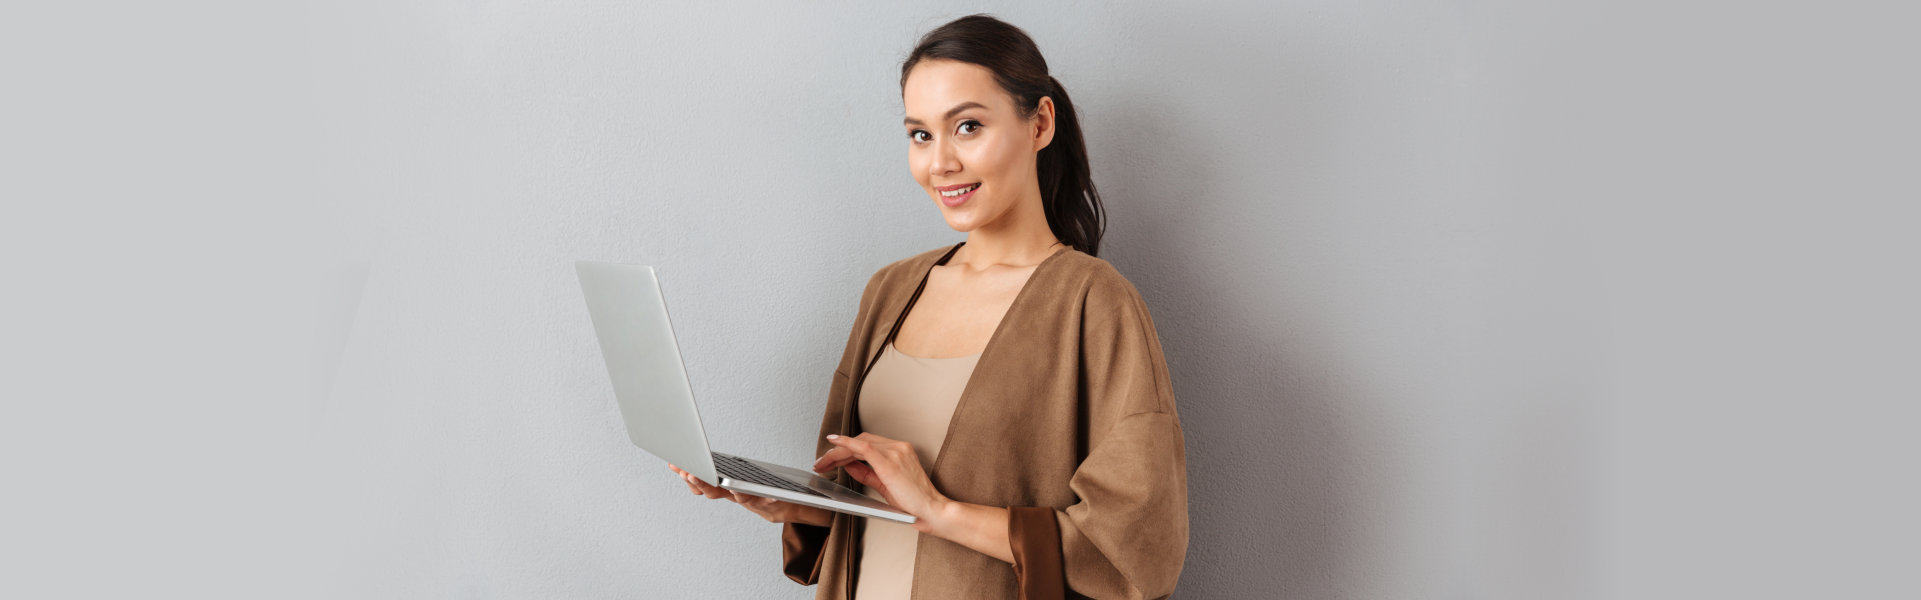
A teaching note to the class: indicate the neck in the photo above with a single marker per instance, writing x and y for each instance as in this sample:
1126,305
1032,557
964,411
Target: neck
1020,238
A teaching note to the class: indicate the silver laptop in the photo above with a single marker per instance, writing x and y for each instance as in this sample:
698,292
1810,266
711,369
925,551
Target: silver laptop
657,402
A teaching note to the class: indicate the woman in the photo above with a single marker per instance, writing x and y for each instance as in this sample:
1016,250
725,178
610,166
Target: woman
1008,391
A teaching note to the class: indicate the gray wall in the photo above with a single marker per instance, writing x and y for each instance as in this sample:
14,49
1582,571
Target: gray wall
1464,300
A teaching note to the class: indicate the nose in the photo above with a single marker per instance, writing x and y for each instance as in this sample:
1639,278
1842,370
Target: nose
945,162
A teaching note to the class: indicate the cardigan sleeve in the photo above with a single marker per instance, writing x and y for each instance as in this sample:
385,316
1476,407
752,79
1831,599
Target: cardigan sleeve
1126,535
802,547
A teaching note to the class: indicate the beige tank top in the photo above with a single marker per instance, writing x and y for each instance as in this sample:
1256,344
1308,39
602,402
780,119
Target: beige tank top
911,399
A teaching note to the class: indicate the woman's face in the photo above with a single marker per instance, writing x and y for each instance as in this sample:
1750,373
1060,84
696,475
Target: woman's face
967,145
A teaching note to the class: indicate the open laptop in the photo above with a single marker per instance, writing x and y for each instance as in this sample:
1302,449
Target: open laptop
657,402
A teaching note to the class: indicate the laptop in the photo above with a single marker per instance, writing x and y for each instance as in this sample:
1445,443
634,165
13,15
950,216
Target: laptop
657,402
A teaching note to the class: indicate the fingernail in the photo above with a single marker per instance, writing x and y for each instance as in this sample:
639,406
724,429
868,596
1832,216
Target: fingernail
832,436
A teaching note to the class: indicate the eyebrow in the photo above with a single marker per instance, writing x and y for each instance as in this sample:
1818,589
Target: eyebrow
950,112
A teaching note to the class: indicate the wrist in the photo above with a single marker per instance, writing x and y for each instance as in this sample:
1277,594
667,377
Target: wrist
941,515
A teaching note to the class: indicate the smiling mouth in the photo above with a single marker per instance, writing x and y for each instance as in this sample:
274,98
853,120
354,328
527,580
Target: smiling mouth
956,193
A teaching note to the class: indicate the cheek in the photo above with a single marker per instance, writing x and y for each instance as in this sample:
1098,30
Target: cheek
917,166
999,158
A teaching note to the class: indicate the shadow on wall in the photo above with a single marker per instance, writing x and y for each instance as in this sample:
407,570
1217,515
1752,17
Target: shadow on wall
1271,508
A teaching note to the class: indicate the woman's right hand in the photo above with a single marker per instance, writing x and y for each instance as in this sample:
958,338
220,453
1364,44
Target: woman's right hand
774,511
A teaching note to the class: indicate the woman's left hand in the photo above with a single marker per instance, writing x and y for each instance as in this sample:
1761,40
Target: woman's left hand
892,468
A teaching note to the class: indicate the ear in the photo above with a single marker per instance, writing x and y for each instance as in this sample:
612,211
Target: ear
1043,123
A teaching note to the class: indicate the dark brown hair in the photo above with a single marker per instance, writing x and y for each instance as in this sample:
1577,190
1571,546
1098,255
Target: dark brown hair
1073,208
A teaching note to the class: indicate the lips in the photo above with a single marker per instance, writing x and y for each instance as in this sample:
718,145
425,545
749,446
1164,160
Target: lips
955,195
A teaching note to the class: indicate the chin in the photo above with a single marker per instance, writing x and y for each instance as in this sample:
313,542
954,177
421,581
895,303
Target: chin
960,223
962,218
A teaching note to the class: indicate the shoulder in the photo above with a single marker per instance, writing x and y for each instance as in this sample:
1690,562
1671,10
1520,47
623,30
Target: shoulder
912,266
1120,351
1096,280
904,273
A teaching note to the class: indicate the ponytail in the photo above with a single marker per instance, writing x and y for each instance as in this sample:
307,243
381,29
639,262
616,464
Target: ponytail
1067,184
1073,208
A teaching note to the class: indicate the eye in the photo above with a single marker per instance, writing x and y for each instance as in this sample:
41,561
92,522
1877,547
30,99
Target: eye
918,135
969,126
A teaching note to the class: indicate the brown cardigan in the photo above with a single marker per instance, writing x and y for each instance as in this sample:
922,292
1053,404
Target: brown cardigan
1068,421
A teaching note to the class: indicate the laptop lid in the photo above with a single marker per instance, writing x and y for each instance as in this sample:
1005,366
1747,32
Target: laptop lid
643,361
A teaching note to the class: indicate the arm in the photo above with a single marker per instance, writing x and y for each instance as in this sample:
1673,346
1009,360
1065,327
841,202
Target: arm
892,468
977,526
1125,536
1134,478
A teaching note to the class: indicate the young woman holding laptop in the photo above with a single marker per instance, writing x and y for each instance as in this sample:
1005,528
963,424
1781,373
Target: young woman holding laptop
1008,391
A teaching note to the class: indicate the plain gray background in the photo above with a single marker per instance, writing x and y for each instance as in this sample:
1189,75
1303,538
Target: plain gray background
1461,300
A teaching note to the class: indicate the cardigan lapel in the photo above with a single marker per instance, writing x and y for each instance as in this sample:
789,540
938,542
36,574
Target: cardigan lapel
849,417
988,354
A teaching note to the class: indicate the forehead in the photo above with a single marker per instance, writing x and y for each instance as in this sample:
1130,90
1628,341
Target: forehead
934,86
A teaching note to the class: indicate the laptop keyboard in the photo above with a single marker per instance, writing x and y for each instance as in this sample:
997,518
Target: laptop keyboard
736,468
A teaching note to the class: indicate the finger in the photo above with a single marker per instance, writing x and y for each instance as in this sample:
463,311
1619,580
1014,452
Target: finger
845,458
882,461
708,490
864,474
867,478
878,445
832,458
861,441
840,462
870,447
853,444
